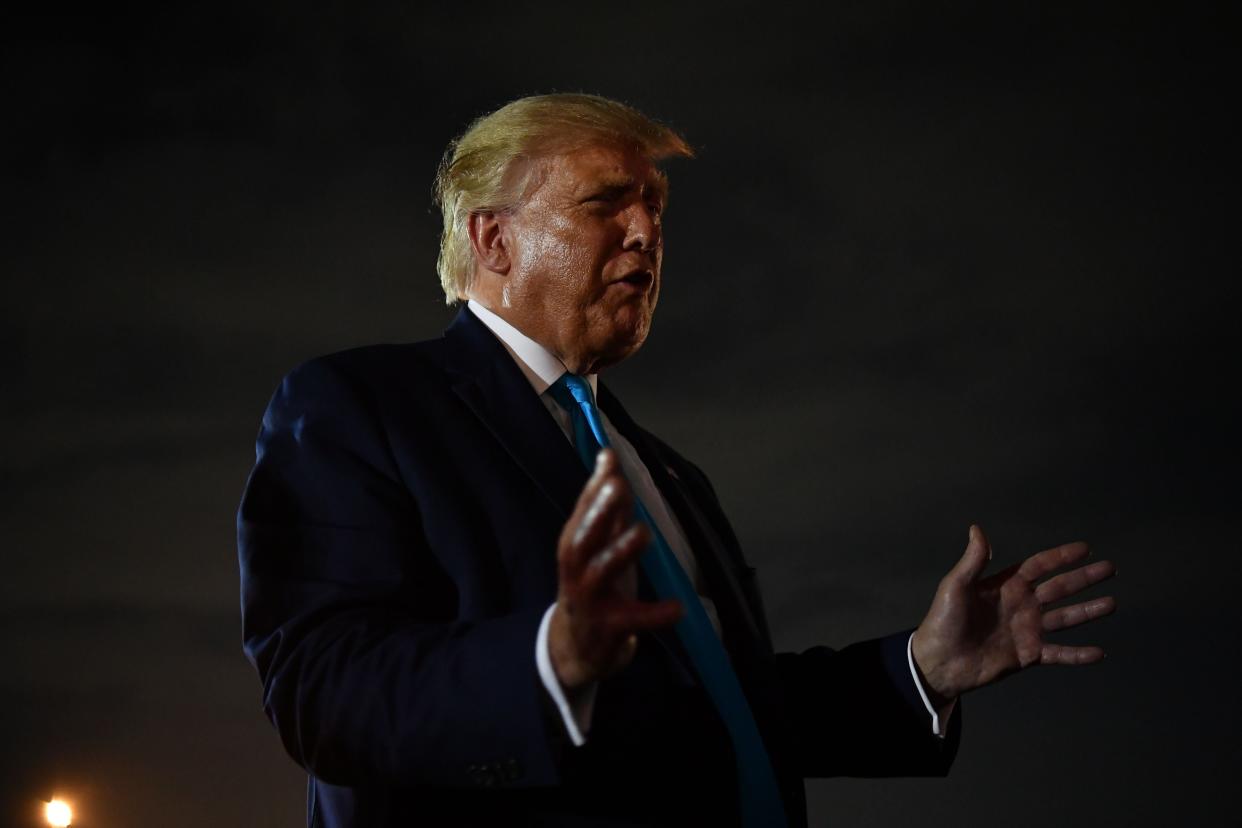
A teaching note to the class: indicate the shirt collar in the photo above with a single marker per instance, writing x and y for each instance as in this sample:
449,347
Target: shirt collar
538,364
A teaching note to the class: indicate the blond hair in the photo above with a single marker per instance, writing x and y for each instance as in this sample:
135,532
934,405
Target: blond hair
485,169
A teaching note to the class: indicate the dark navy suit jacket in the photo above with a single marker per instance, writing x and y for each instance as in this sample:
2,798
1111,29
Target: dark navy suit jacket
397,542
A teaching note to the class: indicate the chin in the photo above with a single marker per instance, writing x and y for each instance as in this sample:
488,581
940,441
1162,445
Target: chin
617,333
625,346
620,345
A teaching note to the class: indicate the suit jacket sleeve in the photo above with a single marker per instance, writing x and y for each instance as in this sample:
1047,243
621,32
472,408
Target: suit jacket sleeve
848,712
852,713
368,676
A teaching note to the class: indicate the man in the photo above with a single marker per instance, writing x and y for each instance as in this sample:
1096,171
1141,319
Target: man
478,593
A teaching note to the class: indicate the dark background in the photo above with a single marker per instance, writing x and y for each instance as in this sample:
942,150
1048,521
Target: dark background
934,265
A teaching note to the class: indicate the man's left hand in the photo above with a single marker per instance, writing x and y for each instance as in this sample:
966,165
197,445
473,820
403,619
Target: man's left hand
979,630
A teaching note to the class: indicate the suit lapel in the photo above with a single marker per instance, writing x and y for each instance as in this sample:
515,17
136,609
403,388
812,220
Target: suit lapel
492,386
495,389
748,642
743,635
490,383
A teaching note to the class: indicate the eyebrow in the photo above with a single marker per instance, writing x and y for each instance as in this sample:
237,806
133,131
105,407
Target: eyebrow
615,185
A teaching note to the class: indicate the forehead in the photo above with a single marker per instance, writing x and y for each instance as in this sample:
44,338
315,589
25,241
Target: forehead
605,164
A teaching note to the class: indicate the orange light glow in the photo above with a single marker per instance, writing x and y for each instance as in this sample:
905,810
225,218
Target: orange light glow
58,813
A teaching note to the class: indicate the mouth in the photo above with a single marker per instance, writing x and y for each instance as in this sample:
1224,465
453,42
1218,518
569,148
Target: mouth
639,281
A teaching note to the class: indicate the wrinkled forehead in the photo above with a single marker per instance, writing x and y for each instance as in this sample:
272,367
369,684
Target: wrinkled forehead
599,165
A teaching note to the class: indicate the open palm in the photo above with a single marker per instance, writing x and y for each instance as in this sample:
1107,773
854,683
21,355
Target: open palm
981,629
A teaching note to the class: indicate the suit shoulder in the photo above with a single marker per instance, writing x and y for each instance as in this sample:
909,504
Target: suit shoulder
361,379
381,358
370,368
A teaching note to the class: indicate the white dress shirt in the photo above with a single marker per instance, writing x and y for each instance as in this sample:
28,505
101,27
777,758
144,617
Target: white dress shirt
542,369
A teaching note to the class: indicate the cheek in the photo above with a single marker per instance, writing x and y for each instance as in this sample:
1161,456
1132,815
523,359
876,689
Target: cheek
540,262
579,256
568,246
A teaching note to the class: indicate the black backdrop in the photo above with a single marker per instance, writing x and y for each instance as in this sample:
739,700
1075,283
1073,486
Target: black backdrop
934,265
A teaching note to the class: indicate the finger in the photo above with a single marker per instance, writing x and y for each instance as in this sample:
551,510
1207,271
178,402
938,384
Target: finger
1076,580
604,464
974,559
607,466
606,566
1058,654
1059,619
628,648
585,528
621,518
1050,560
604,515
622,657
635,616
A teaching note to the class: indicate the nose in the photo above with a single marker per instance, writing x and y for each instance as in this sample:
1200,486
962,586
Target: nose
642,232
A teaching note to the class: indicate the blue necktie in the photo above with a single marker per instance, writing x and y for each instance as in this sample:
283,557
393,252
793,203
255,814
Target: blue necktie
761,802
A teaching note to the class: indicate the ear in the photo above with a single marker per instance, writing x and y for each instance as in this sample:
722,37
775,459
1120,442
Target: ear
488,240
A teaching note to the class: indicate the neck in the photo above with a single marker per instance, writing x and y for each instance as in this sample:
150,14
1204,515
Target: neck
575,363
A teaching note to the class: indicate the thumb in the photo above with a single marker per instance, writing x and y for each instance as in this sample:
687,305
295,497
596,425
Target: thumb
975,558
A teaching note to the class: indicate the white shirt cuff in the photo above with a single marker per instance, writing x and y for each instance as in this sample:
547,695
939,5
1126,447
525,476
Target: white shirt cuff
936,716
576,714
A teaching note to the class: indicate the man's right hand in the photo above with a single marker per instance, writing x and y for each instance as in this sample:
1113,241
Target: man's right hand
593,630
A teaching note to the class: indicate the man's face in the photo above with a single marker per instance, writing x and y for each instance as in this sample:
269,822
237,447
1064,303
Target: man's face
585,250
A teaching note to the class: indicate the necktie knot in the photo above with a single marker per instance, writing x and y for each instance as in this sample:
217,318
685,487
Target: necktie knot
573,393
578,388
